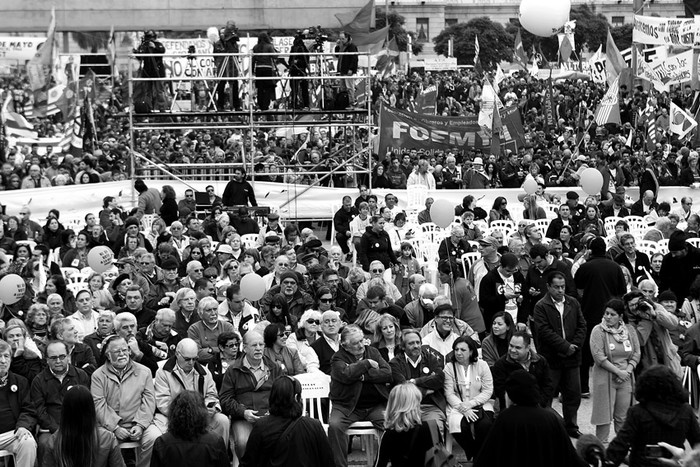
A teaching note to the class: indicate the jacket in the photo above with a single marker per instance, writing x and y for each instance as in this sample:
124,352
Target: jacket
432,377
539,368
108,452
678,273
641,263
552,341
20,402
149,202
538,280
325,352
238,389
376,246
651,332
342,219
207,450
348,374
492,298
477,394
301,301
129,400
47,393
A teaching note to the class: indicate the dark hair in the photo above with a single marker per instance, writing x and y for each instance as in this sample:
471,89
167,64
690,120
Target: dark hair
444,307
188,418
694,290
473,348
224,337
271,332
508,320
509,260
658,383
376,291
285,398
497,202
279,301
539,250
628,297
76,439
60,284
526,337
618,306
555,275
232,290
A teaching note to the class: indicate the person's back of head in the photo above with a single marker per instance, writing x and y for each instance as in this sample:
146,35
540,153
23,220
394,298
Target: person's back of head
285,398
188,418
140,185
522,388
76,438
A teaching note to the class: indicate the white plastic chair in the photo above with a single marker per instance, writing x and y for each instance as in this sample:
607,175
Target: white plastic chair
314,388
249,240
662,246
647,246
609,224
147,222
468,260
76,278
543,225
416,196
694,241
502,225
5,455
366,431
431,232
76,287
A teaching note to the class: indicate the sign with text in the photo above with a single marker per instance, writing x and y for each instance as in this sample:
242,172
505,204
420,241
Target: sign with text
18,48
679,32
440,64
198,65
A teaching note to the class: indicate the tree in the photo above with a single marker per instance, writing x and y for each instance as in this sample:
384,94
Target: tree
622,35
397,30
494,42
591,32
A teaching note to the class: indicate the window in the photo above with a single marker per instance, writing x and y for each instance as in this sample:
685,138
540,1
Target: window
618,20
450,22
423,29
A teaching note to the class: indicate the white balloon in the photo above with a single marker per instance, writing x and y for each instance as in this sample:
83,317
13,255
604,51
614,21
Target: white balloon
213,34
544,17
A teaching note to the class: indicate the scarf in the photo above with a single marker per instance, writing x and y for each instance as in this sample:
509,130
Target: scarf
620,334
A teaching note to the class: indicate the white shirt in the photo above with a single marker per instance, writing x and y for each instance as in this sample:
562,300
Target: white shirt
85,325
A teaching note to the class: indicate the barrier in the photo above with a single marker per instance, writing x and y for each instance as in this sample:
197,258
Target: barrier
75,201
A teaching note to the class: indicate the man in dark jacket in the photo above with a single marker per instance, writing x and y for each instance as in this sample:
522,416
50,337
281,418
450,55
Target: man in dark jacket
501,289
347,64
535,285
341,221
521,356
597,280
160,334
560,333
359,376
238,191
245,390
50,386
329,342
375,244
298,301
421,368
18,414
680,266
134,305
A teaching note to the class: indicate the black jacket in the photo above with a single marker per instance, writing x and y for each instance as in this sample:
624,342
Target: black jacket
20,402
600,279
678,273
376,246
642,265
349,374
551,342
238,194
48,392
209,449
491,297
539,368
342,219
432,377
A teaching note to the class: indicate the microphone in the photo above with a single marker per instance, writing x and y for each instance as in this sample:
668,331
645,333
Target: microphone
591,449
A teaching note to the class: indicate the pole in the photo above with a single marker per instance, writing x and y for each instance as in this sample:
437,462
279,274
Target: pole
638,9
131,130
250,113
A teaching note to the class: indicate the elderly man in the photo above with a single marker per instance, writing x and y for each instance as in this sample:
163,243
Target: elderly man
377,272
183,373
124,396
160,334
18,420
206,331
50,386
424,215
662,229
421,310
81,356
414,283
237,311
273,278
298,301
421,176
329,342
134,305
418,366
644,205
125,327
195,271
35,179
245,390
451,174
358,389
149,270
163,292
105,328
686,209
452,248
32,229
490,259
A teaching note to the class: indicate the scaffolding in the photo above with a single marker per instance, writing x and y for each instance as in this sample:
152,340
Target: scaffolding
286,120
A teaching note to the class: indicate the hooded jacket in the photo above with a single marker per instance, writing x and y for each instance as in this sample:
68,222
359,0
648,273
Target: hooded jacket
376,246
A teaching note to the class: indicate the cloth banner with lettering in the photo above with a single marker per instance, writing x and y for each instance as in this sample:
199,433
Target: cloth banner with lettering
679,32
197,65
401,131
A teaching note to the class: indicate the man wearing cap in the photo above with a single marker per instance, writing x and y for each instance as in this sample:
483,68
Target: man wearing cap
490,260
162,292
271,228
598,280
475,178
501,290
298,301
243,223
680,266
575,207
238,191
223,253
341,222
421,176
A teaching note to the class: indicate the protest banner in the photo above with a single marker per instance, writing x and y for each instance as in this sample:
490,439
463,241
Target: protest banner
678,32
19,49
197,65
440,64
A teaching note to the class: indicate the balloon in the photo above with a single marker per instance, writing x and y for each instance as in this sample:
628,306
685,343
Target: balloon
530,186
442,213
12,289
544,17
253,287
100,258
213,34
591,181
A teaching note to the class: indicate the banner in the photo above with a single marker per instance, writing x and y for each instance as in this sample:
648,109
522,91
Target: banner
550,121
512,131
197,65
679,32
674,69
426,102
401,131
440,64
19,49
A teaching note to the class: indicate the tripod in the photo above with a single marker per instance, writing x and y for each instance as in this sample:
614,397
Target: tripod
321,67
220,74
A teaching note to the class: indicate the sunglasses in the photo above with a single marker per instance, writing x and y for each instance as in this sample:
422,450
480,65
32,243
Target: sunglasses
313,321
377,270
210,277
325,300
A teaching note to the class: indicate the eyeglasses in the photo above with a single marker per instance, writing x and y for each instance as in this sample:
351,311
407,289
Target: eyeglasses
377,270
144,263
284,334
313,321
210,276
232,346
187,359
23,213
325,300
446,318
56,358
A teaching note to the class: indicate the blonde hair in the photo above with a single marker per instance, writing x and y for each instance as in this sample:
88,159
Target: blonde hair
403,408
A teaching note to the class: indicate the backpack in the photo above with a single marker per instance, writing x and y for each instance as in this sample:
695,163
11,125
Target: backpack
438,455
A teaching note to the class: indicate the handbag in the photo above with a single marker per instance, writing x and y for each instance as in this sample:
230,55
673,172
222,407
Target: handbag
438,455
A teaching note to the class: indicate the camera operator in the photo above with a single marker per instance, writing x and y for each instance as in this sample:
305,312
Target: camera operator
347,64
151,94
652,323
299,66
265,66
227,66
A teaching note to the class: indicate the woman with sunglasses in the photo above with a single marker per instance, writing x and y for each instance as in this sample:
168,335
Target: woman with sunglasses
229,344
499,212
279,312
275,337
196,254
308,330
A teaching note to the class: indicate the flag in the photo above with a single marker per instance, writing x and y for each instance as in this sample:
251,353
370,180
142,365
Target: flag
450,46
648,119
498,78
489,122
361,21
40,66
371,42
15,124
112,51
388,59
680,121
426,103
608,110
550,120
614,62
565,48
520,56
476,49
535,70
72,139
496,125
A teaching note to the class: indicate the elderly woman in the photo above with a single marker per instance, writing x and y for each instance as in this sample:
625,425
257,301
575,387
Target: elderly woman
308,330
38,322
184,305
54,302
276,349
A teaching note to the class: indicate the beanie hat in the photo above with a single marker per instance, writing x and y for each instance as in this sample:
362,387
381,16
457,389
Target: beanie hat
289,275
